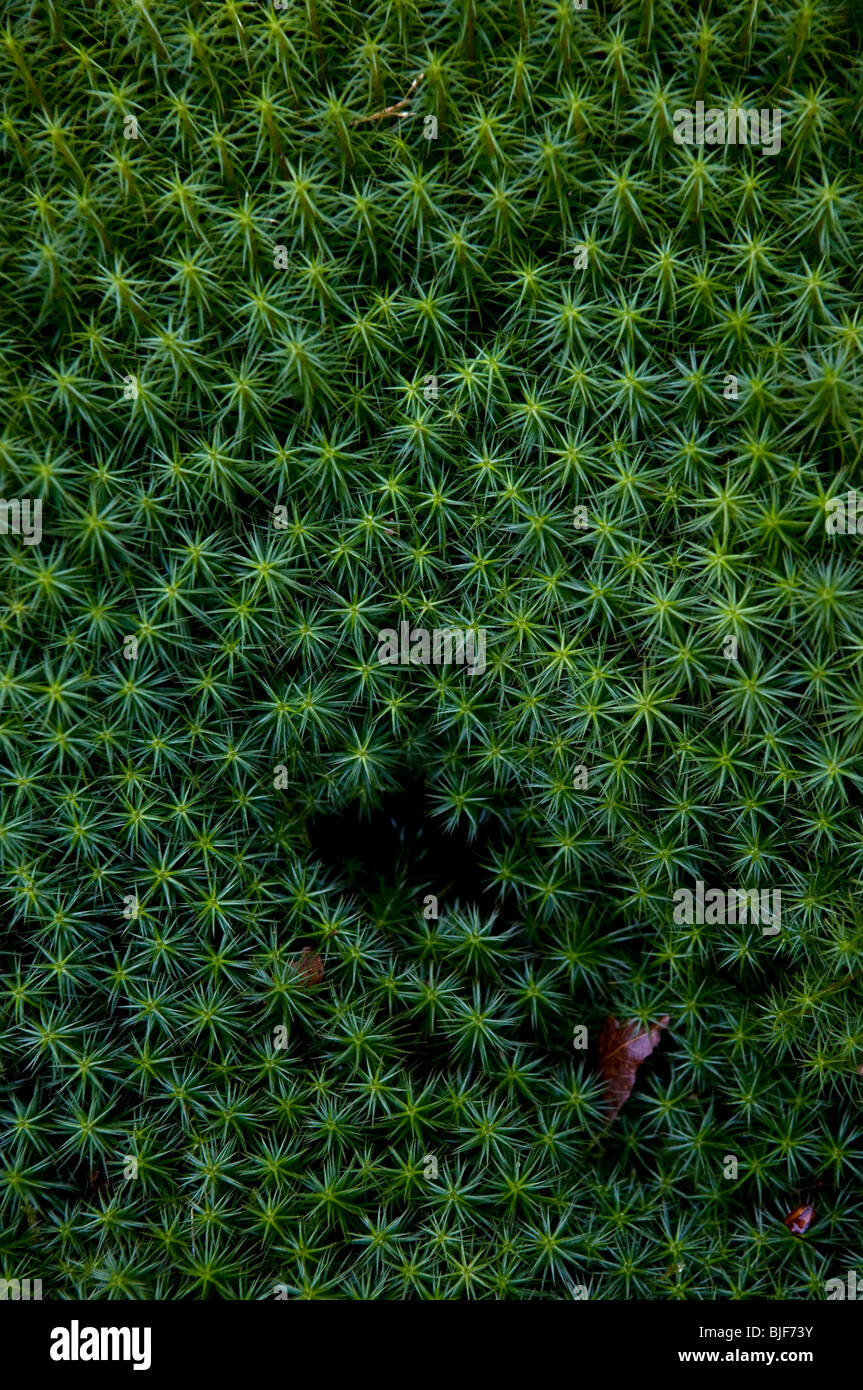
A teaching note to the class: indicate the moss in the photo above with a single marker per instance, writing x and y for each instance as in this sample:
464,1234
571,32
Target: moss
321,321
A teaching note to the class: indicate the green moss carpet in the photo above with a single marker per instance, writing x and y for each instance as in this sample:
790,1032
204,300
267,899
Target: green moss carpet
429,446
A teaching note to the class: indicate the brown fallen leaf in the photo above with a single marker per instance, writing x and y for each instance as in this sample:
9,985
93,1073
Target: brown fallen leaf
621,1053
310,966
98,1182
800,1219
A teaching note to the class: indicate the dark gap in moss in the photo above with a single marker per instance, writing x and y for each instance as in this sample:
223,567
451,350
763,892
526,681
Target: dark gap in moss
401,841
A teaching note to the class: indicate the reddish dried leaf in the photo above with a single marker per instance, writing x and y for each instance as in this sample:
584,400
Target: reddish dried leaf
98,1181
621,1053
310,966
800,1219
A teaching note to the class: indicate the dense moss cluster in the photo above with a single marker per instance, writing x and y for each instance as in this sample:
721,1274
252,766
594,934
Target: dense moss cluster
285,371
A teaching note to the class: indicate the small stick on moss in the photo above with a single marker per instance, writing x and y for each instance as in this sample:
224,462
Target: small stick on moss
397,108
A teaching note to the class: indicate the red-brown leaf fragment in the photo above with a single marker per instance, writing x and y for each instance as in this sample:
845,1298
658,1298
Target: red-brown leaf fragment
99,1181
621,1053
800,1219
310,966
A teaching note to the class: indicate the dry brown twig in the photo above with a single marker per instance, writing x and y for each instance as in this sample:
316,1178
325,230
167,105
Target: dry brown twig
397,108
